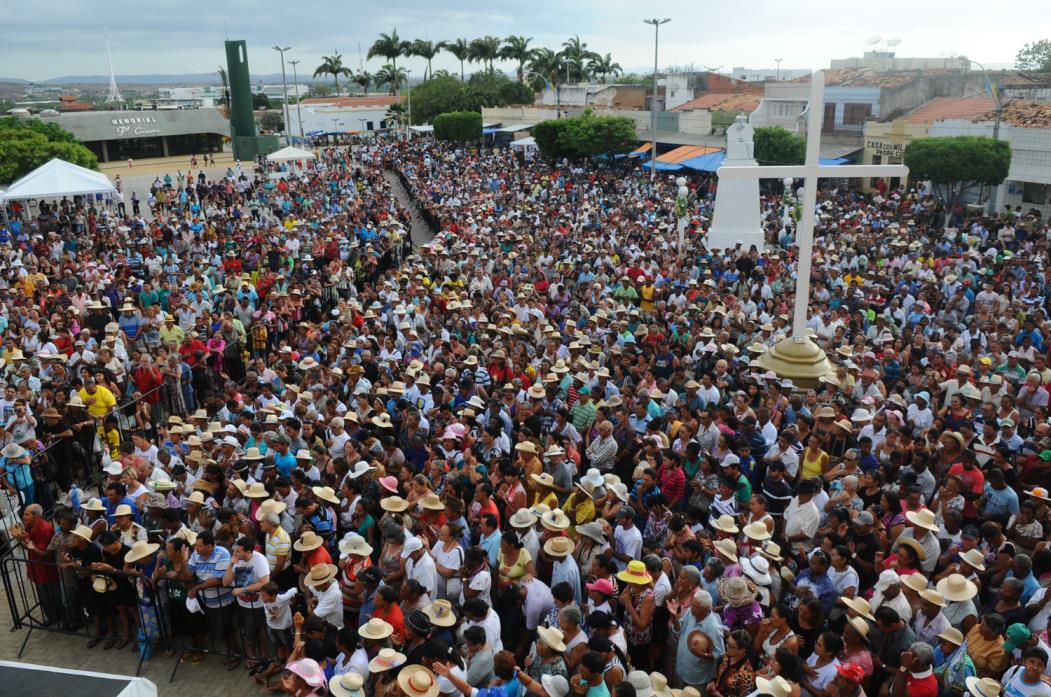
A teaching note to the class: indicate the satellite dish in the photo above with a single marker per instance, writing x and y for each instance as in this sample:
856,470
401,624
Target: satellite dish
893,42
873,40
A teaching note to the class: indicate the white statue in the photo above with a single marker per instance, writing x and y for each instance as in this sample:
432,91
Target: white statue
739,144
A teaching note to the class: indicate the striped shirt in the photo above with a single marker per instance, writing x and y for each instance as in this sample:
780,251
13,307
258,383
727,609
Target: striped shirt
278,544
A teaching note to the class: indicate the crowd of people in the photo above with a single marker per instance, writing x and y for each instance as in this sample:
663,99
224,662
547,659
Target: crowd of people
538,454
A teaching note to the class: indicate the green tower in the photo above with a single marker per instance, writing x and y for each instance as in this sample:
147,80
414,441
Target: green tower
247,145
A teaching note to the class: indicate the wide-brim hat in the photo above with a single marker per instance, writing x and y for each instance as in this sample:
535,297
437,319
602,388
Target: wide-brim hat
558,547
776,686
727,548
394,504
375,629
592,530
140,550
321,574
917,582
726,524
83,532
635,573
94,504
923,518
973,558
772,551
555,520
308,542
326,493
440,613
757,531
523,519
858,605
417,681
123,509
952,635
432,502
270,506
354,544
309,670
346,685
982,687
382,421
256,490
860,626
957,588
103,584
758,569
921,553
543,479
552,637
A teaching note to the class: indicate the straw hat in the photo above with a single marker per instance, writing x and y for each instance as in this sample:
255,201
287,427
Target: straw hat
726,524
776,686
635,573
382,421
727,548
394,504
921,553
982,687
123,509
523,519
952,635
354,544
256,490
385,660
772,551
660,685
346,685
555,520
83,532
592,530
757,531
860,626
432,502
103,584
526,447
375,629
417,681
440,613
325,493
923,518
917,582
270,506
859,606
321,574
94,504
558,547
932,596
308,542
552,637
758,569
543,479
957,588
140,550
973,558
640,680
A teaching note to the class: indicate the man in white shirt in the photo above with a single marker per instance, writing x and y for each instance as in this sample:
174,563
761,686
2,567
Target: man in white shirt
627,539
802,516
419,565
326,599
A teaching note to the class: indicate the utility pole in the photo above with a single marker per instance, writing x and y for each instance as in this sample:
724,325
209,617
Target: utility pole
299,110
653,100
284,89
778,61
993,207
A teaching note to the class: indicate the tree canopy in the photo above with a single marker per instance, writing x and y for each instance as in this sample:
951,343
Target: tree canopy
585,136
954,165
458,125
445,93
25,144
1035,56
778,146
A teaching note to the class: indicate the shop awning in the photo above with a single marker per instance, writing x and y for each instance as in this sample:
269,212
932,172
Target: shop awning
705,163
641,150
685,152
663,166
832,160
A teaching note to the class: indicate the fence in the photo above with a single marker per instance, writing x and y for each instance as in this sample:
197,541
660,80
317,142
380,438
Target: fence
150,613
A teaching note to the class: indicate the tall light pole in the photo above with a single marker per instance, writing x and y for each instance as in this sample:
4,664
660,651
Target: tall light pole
299,110
778,61
653,100
408,120
284,88
998,100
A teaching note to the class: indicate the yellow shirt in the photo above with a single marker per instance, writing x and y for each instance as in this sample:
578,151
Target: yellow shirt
103,403
549,500
579,508
517,570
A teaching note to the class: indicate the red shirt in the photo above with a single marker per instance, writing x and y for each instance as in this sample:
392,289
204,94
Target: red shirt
40,535
926,686
974,480
318,556
394,617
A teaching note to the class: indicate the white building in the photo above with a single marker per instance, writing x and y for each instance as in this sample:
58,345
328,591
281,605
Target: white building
341,114
767,74
886,60
188,97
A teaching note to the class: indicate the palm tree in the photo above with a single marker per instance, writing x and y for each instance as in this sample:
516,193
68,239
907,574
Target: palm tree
460,49
332,65
575,53
603,66
485,50
516,48
224,100
397,113
426,50
391,75
363,80
441,73
390,46
546,67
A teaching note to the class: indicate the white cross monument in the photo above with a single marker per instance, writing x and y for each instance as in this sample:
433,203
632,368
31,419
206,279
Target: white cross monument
797,357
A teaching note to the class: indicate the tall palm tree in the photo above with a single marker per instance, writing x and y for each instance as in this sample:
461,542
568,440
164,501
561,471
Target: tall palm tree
485,50
363,79
398,113
576,55
603,66
426,50
224,99
516,48
332,65
460,49
390,46
391,75
546,68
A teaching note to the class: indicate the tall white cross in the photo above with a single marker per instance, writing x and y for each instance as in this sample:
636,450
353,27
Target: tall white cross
811,171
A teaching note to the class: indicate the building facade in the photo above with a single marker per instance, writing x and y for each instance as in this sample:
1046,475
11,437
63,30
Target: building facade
119,135
340,114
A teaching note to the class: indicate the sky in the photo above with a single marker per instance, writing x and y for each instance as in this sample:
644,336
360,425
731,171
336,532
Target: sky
50,38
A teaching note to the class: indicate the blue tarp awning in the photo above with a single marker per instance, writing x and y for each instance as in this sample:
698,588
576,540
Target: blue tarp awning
663,166
705,163
315,133
832,160
489,131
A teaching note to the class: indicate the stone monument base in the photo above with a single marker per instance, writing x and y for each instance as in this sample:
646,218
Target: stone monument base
799,359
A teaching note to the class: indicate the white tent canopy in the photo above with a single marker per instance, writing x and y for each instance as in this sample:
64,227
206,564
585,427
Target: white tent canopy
290,153
58,178
523,143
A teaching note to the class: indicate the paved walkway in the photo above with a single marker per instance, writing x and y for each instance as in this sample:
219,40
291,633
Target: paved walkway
420,230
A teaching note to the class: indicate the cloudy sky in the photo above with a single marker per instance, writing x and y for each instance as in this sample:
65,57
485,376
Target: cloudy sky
49,38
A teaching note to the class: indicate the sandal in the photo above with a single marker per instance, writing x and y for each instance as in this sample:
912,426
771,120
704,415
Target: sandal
109,644
197,657
233,664
94,642
122,643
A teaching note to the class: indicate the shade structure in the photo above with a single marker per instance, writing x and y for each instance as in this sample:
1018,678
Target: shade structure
685,152
663,166
705,163
290,153
29,680
57,178
523,143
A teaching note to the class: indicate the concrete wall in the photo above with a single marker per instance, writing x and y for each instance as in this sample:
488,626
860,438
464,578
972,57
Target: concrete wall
897,101
698,122
532,115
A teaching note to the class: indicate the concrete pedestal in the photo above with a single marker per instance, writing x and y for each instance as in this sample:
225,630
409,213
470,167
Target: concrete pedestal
798,359
736,218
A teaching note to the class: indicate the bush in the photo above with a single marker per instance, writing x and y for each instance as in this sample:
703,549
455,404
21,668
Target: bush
463,126
25,144
585,136
778,146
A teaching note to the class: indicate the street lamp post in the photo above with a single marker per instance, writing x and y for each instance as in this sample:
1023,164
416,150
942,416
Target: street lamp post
681,211
408,120
284,88
994,200
299,110
653,100
778,61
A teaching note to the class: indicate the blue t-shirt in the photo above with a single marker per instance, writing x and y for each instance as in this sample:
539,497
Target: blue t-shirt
213,567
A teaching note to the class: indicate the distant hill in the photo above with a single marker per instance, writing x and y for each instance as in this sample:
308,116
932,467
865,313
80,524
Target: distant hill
157,79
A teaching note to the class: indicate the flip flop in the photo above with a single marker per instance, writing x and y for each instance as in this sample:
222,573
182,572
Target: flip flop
233,664
109,644
94,642
122,643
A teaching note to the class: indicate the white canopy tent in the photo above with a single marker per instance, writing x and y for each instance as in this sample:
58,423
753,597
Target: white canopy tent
30,680
527,146
58,178
290,153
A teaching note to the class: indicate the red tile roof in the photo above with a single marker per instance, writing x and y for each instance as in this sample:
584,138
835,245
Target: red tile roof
1022,113
944,108
722,102
371,100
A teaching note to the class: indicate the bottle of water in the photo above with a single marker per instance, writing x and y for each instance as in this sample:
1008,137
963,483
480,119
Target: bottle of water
74,497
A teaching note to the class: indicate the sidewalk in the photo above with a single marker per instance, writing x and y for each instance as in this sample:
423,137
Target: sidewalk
161,165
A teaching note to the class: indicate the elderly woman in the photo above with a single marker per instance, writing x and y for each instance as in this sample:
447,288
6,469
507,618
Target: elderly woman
741,609
735,674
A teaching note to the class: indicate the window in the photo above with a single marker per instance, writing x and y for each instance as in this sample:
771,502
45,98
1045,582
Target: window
1034,193
856,114
784,110
829,123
